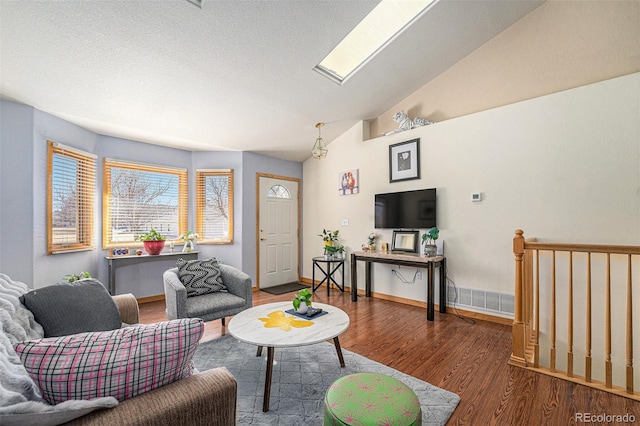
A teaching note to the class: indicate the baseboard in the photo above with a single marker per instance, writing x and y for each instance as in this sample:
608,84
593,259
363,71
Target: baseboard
150,299
411,302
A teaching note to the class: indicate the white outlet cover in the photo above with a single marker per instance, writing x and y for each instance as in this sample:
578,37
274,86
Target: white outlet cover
476,196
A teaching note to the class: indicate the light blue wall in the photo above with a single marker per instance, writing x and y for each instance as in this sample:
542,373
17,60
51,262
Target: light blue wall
16,198
24,132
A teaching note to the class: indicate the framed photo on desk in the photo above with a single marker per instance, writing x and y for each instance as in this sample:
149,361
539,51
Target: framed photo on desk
405,241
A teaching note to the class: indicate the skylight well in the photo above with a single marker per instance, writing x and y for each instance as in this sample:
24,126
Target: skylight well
383,24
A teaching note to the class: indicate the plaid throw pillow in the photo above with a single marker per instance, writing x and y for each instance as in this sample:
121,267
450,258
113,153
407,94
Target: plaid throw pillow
200,276
120,363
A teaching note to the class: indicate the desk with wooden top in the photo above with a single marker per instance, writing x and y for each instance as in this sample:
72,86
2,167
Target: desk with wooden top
403,259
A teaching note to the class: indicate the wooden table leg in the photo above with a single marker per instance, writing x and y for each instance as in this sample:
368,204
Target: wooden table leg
339,351
430,301
259,351
354,279
267,380
443,286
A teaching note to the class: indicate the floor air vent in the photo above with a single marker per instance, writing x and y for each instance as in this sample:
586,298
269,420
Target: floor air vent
480,299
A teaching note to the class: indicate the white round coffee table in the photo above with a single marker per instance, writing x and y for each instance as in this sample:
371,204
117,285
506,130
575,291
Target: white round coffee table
268,325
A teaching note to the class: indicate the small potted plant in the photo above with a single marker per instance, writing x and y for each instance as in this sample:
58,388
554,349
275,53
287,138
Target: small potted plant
429,241
302,301
336,252
71,278
371,240
153,241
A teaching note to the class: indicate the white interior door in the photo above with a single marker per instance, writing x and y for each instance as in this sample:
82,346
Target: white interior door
278,231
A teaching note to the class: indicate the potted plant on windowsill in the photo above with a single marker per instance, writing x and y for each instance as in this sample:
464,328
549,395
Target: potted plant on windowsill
302,301
153,241
429,241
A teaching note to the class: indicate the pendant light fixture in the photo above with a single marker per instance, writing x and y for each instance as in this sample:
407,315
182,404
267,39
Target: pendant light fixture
319,150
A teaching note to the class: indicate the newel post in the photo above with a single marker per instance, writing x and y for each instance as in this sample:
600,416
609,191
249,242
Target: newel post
518,332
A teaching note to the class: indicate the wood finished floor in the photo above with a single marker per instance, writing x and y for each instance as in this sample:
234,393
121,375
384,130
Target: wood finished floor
467,358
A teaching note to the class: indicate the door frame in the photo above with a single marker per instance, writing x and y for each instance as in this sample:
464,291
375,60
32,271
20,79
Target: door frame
288,178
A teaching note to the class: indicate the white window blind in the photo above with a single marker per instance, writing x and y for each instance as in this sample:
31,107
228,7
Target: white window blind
214,206
71,183
138,197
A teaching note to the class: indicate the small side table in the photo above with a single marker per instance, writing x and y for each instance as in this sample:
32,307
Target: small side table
328,273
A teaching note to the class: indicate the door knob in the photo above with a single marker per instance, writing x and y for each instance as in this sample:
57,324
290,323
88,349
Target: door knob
262,238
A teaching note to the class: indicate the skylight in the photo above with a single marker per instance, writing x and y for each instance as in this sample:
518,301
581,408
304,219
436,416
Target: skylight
384,23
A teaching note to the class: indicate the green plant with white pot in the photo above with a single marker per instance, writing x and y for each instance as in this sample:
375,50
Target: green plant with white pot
302,301
429,241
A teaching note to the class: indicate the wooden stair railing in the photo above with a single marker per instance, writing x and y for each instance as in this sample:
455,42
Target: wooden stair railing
527,312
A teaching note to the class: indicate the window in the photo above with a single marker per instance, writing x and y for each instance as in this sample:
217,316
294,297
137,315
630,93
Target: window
139,197
278,191
71,183
214,206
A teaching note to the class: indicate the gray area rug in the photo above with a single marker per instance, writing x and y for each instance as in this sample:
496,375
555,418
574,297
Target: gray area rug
301,377
284,288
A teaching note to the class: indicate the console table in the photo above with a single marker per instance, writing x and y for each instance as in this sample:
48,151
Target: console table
118,261
405,260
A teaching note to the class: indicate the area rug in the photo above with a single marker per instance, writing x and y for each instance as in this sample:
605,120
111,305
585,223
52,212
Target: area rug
284,288
301,376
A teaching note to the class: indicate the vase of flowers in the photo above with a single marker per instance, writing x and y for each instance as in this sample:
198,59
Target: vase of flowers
372,241
188,239
153,241
329,238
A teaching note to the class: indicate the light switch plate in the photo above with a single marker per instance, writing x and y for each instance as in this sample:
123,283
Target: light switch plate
476,196
344,222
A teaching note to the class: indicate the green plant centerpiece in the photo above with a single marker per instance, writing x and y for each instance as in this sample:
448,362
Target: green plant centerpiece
335,251
71,278
153,241
302,301
429,241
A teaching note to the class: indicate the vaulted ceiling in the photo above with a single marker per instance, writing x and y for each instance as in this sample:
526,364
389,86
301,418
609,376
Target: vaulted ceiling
233,75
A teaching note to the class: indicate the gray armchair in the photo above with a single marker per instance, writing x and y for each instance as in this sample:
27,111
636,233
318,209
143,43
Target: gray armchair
210,306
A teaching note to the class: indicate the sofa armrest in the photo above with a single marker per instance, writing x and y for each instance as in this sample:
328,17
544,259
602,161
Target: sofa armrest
175,294
237,282
128,307
207,398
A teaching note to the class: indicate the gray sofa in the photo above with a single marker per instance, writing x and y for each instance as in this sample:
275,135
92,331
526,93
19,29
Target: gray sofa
210,306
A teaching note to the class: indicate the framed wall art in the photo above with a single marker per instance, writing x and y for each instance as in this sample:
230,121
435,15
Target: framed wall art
348,182
404,161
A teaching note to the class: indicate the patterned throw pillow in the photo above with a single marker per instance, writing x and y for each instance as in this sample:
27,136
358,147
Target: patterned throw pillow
120,363
200,276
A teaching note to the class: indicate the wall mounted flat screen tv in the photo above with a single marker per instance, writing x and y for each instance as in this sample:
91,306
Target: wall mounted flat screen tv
407,209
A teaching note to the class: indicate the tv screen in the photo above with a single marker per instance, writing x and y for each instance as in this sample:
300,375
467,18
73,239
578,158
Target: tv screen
408,209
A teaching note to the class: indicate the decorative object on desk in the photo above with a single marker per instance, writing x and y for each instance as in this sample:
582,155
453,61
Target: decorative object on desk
139,252
188,239
429,241
153,241
405,123
349,183
405,241
302,301
371,240
71,278
404,161
384,247
119,251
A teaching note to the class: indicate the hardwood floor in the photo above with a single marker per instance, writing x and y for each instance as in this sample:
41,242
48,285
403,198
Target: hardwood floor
463,356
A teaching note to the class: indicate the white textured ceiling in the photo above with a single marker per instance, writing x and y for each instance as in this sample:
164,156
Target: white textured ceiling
234,75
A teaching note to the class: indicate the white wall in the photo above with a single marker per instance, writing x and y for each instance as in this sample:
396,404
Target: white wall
563,167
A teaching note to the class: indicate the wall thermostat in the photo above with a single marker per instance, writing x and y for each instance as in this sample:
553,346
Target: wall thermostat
476,196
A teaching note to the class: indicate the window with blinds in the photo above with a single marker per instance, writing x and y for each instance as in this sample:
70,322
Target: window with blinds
139,197
71,185
214,206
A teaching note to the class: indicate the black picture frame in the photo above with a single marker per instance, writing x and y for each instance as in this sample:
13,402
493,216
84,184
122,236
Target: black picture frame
405,241
404,161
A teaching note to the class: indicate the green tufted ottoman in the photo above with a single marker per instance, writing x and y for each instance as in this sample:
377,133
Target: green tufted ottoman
371,399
